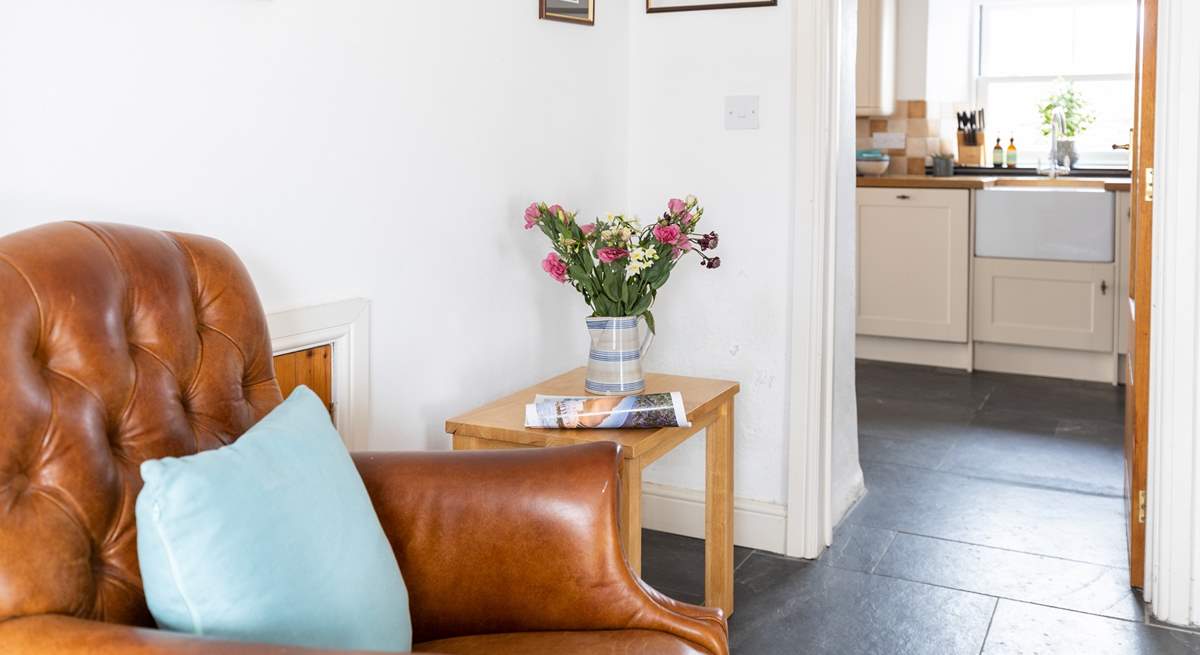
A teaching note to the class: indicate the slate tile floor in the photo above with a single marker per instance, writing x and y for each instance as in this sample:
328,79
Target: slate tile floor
993,523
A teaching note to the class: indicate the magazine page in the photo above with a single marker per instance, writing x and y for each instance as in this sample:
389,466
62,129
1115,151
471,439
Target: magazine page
658,410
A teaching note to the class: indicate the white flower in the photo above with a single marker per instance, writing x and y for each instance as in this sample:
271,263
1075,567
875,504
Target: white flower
643,257
691,200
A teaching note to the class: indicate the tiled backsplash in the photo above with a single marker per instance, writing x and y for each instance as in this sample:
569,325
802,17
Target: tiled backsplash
923,131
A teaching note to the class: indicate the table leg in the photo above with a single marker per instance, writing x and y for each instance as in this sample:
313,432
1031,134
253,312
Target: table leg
718,518
631,513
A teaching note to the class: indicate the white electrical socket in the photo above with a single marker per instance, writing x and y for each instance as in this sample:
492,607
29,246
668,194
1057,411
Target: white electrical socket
741,112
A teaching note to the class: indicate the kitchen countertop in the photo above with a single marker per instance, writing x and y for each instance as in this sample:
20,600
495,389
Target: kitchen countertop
991,182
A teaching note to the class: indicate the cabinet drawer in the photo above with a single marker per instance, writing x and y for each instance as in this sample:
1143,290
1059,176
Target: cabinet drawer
1043,303
913,263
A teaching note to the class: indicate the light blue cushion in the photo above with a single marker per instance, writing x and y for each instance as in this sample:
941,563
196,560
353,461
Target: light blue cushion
271,539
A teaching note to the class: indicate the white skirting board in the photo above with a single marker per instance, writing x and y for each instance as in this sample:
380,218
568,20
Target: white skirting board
913,351
1046,362
756,524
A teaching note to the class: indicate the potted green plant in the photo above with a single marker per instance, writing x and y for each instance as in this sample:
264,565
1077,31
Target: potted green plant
1078,119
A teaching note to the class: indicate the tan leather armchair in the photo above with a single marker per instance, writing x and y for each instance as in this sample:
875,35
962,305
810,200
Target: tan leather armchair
120,344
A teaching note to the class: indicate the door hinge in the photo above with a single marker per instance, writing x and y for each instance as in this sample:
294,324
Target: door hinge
1142,506
1150,185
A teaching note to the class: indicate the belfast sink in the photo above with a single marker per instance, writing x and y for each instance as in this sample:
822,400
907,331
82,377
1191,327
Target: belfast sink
1056,224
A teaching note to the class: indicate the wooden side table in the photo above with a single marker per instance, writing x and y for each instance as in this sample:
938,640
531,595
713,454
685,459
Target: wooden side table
709,404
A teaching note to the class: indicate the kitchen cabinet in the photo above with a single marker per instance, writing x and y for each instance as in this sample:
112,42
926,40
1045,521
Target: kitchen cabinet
876,72
1049,304
914,263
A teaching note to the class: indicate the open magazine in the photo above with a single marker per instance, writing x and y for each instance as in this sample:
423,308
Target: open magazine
656,410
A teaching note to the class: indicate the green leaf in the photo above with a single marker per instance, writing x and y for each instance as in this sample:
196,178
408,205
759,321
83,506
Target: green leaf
612,283
649,321
641,305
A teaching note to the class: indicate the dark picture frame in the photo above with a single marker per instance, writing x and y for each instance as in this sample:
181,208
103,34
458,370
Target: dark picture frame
565,11
703,4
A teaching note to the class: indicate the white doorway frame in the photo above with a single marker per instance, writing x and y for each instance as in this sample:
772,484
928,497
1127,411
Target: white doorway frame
345,325
1173,472
1173,523
820,33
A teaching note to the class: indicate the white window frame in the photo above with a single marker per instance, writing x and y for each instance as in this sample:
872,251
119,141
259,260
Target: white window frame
980,82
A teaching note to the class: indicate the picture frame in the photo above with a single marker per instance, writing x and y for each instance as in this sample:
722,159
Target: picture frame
664,6
580,12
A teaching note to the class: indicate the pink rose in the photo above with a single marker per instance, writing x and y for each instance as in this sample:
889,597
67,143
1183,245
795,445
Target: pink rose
676,206
556,267
682,245
588,229
532,216
557,212
610,255
687,218
667,233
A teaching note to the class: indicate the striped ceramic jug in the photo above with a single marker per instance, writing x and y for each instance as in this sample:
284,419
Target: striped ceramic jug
615,360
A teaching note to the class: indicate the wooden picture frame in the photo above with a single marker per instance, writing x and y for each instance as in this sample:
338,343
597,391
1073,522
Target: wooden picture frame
698,5
580,12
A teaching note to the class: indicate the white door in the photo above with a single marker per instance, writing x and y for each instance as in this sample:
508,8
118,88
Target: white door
913,263
1045,303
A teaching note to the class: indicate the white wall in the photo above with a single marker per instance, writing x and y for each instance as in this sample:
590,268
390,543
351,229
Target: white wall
387,149
847,475
731,322
367,148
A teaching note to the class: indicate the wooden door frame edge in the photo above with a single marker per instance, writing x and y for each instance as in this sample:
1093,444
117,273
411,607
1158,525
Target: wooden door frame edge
1173,497
817,146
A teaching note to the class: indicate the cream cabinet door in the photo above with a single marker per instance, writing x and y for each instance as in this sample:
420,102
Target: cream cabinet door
875,82
913,263
1045,303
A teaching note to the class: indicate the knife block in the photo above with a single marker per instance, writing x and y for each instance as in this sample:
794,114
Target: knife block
969,155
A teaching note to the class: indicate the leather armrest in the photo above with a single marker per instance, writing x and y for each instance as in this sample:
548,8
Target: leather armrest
62,635
524,540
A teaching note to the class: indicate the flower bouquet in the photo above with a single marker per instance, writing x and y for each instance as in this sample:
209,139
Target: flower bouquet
618,265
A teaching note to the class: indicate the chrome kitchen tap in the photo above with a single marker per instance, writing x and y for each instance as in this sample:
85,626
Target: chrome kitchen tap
1058,128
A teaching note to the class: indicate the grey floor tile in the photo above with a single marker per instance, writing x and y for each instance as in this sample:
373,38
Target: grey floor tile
1056,398
917,433
890,417
907,382
788,607
857,547
1028,448
674,564
1024,629
1035,520
1019,576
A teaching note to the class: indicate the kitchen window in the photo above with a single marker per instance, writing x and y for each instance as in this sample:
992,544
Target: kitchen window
1028,49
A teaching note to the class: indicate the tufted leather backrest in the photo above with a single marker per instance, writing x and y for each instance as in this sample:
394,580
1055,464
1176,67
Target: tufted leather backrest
117,344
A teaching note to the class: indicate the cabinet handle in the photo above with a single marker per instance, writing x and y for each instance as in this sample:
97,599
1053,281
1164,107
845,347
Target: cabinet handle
1104,287
904,196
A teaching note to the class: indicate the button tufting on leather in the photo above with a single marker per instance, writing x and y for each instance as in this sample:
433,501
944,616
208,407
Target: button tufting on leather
65,304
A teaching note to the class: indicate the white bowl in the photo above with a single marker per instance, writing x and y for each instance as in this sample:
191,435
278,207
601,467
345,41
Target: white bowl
872,168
